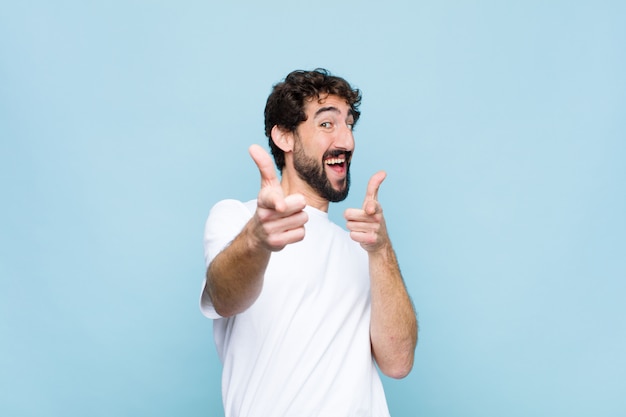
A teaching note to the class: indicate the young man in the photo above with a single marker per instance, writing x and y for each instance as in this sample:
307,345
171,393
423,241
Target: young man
304,310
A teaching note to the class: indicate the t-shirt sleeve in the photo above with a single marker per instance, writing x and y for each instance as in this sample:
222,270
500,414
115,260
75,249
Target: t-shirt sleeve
226,219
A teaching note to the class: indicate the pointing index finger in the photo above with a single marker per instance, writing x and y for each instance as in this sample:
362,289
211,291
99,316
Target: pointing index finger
265,165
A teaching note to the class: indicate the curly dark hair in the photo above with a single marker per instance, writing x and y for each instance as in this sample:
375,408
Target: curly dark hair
285,105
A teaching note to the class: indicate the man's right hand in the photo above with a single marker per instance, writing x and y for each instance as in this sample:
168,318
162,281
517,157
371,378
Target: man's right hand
279,220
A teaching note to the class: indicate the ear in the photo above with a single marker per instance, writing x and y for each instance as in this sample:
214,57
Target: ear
282,138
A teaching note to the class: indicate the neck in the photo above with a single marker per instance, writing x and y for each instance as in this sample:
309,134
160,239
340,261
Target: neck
291,183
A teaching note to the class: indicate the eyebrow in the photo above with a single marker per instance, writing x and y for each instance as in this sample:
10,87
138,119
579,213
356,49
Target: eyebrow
325,109
331,109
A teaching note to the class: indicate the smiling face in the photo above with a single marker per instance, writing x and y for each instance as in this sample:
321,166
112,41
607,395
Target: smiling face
323,146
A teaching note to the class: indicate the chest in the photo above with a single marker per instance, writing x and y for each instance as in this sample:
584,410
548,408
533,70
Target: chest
327,266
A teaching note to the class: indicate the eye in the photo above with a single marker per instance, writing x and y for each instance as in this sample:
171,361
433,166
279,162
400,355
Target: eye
326,125
351,126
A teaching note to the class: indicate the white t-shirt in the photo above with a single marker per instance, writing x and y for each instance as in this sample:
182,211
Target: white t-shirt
303,348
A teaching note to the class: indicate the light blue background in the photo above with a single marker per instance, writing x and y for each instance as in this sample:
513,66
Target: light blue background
502,127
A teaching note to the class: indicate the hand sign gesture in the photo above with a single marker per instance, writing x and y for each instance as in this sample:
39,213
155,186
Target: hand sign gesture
367,225
279,220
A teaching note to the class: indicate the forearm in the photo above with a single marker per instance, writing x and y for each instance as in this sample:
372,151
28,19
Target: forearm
235,275
393,327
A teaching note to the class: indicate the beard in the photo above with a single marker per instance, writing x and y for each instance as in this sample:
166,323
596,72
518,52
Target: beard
314,174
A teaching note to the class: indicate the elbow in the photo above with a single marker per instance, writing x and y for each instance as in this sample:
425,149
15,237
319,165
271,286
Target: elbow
224,305
399,368
223,309
397,363
208,300
220,297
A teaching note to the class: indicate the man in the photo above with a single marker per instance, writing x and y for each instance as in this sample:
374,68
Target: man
304,310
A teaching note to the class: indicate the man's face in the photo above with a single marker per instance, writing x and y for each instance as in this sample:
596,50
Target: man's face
323,147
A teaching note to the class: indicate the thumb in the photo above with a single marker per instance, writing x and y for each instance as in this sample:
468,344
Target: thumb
265,165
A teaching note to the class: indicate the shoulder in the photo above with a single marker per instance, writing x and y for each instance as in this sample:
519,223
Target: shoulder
225,221
233,208
228,216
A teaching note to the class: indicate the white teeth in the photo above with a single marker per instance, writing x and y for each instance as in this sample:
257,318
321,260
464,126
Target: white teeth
334,161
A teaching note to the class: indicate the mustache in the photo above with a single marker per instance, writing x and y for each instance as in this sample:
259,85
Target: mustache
334,153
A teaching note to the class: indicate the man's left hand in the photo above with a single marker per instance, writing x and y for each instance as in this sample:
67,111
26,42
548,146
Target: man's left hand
367,225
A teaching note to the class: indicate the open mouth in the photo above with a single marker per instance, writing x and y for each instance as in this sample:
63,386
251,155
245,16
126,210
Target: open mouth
337,160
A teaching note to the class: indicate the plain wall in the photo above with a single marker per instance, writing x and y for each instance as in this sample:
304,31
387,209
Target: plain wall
502,128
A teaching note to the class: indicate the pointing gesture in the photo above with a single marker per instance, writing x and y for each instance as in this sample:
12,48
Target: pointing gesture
367,225
279,219
371,206
271,195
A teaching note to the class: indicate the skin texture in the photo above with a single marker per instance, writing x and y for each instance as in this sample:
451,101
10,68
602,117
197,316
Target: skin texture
235,276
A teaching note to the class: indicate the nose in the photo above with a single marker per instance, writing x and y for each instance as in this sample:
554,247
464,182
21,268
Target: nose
345,138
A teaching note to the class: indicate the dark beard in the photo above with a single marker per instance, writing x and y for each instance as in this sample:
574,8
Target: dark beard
315,175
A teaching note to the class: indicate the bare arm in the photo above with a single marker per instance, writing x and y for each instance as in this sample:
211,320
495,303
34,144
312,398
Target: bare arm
393,326
235,275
